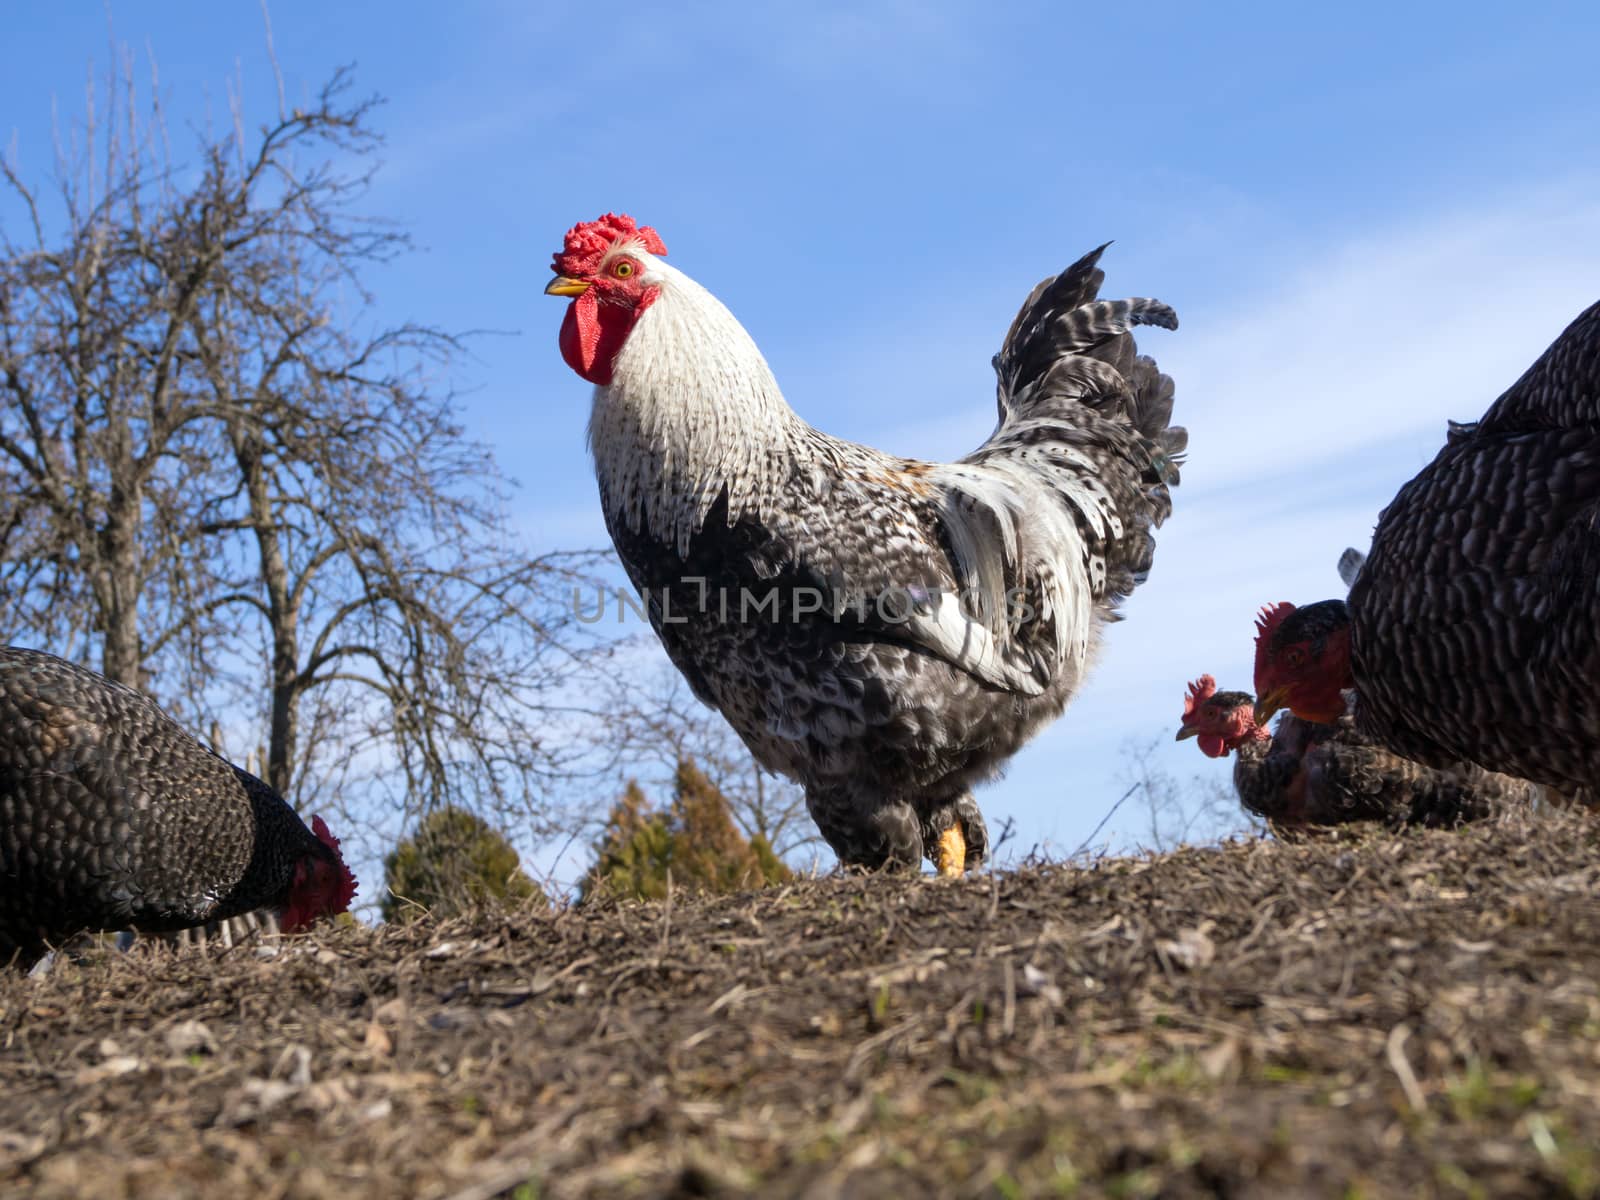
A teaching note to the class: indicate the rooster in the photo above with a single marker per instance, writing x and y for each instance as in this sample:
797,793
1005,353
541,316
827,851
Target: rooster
884,630
1470,632
112,817
1309,774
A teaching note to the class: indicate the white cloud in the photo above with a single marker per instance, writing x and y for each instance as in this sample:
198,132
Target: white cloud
1386,334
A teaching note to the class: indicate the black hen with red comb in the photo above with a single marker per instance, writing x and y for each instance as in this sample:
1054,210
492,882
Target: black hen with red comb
112,817
1472,630
1304,773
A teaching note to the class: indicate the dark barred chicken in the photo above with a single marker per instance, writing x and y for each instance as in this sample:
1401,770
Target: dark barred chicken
1267,771
112,817
884,630
1473,630
1304,773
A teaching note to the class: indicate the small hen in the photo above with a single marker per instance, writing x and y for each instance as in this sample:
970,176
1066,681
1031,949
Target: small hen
1304,773
112,817
887,631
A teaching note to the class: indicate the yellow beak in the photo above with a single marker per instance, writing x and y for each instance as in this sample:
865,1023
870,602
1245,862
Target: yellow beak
1186,732
1269,704
565,285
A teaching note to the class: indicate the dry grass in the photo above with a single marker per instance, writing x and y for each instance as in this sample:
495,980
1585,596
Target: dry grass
1367,1014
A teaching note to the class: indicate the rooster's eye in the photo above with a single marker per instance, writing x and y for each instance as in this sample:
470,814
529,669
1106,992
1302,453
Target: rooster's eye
1293,657
622,268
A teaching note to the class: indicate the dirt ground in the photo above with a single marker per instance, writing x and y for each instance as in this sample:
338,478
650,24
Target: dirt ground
1360,1015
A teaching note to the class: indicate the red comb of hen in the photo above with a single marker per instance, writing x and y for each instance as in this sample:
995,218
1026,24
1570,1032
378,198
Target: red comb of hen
1270,617
324,834
1200,691
347,881
1267,621
589,241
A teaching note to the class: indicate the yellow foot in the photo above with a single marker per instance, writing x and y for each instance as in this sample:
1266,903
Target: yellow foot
951,854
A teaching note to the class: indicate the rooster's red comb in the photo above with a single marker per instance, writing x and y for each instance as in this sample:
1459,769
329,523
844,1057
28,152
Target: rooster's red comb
1200,691
588,241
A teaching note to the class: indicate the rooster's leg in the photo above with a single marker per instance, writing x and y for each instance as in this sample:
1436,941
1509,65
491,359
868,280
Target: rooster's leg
956,836
950,855
866,829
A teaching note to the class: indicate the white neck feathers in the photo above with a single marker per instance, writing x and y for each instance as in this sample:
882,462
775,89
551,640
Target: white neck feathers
692,410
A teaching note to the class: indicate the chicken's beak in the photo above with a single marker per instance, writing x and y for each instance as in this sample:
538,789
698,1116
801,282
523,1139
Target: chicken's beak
1267,705
565,285
1188,731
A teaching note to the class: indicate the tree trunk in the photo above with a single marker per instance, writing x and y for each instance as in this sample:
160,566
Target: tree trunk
283,729
119,586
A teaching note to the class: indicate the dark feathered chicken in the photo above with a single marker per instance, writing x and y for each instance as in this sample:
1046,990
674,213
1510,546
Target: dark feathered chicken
884,630
112,817
1304,773
1473,630
1266,772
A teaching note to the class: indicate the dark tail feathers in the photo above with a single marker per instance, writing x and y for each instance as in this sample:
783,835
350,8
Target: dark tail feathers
1069,358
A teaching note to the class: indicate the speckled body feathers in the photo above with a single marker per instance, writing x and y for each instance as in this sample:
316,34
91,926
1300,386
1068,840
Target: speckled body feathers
112,817
1330,774
917,622
1304,773
1475,623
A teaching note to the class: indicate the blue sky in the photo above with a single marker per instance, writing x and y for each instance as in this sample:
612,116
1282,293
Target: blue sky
1370,218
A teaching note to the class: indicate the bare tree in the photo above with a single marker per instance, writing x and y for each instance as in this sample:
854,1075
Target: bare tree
658,723
100,440
220,472
1202,808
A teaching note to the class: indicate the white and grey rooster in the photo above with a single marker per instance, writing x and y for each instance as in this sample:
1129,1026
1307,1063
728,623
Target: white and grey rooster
886,631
